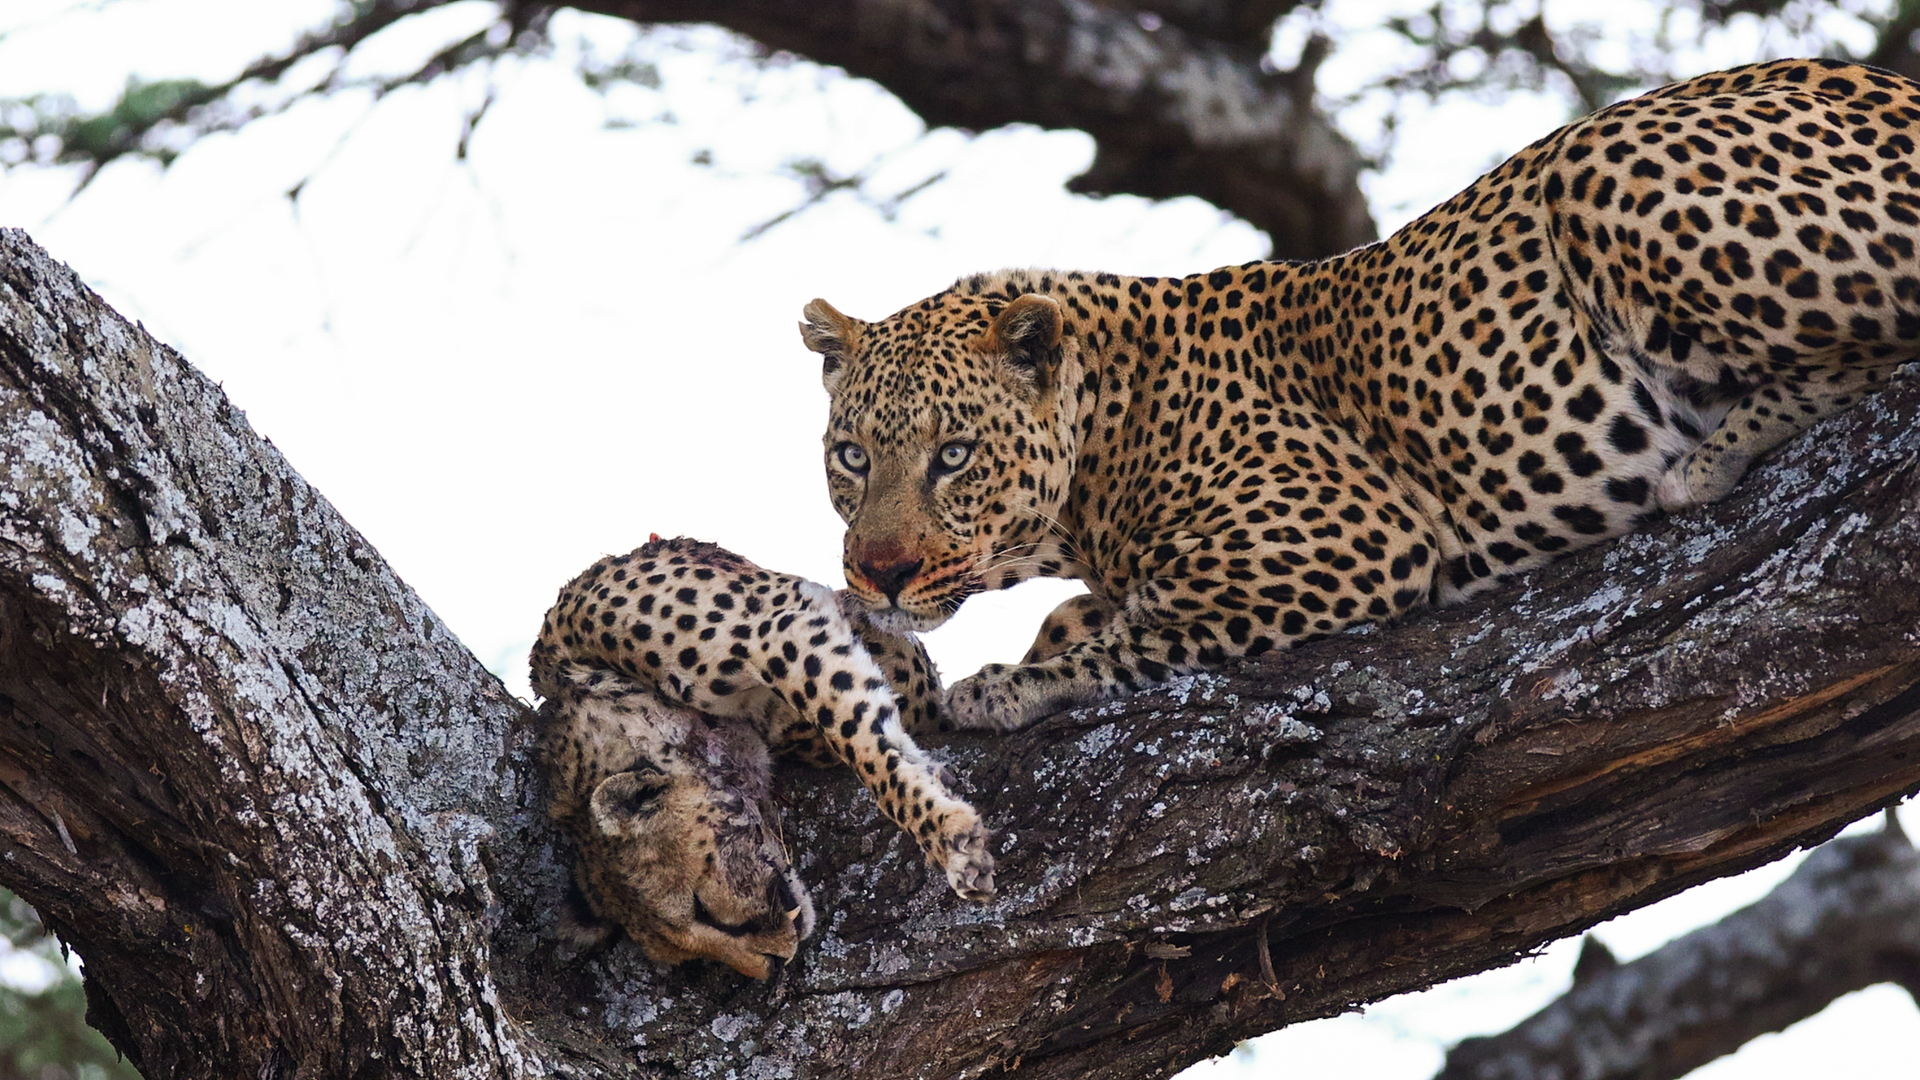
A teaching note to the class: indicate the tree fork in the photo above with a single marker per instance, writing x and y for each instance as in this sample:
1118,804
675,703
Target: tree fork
290,825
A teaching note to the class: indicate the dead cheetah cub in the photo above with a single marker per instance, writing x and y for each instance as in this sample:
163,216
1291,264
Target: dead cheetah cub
670,674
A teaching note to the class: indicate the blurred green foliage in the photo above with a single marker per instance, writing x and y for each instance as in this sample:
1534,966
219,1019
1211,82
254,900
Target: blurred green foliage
44,1034
137,123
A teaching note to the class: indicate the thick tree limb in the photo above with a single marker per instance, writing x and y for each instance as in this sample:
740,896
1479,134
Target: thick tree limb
289,825
243,771
1847,919
1245,23
1173,111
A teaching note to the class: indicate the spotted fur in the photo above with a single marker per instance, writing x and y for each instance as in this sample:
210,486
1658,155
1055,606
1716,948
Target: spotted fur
668,673
1613,323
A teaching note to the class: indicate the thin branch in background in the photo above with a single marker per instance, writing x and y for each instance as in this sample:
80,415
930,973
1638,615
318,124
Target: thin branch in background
90,7
1488,50
821,182
890,206
156,119
471,120
1494,49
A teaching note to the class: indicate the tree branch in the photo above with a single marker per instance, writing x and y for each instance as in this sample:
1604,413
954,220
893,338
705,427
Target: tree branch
1847,919
1173,112
1244,23
1895,49
139,123
246,772
1177,94
289,823
1179,105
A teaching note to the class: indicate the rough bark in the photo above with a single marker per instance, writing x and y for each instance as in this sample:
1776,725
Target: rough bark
288,822
244,772
1847,919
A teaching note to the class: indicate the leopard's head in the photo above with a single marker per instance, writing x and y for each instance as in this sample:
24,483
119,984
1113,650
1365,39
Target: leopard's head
949,445
683,852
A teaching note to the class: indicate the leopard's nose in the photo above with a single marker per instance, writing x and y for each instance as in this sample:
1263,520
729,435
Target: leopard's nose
893,577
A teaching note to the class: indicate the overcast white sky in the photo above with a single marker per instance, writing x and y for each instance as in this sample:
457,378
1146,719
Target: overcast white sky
503,367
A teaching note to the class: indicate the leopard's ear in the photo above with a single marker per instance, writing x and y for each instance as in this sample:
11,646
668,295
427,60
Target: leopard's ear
621,802
832,335
1028,332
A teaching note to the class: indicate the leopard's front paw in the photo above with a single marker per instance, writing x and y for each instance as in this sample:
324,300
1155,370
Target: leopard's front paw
1705,476
1674,493
969,865
991,699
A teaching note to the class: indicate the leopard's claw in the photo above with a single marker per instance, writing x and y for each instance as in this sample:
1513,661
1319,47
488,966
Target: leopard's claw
970,865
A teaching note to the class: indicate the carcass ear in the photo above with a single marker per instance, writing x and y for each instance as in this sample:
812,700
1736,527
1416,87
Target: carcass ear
832,335
623,800
1028,332
582,930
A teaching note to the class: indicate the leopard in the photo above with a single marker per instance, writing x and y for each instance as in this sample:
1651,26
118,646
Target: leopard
1607,328
670,677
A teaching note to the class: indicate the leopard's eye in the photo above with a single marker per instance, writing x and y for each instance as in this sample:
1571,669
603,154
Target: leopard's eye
852,456
955,455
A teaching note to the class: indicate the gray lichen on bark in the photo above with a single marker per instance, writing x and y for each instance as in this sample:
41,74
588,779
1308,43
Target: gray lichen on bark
220,691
